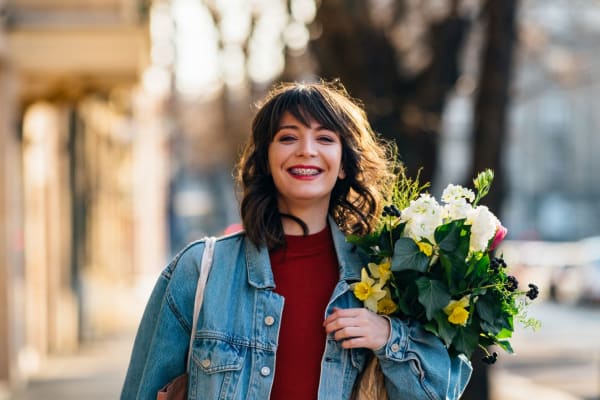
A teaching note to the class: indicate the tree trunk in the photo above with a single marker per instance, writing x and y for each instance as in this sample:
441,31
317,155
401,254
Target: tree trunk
403,108
491,104
489,133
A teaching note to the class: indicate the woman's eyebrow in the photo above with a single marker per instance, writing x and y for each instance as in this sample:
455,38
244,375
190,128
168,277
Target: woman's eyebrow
287,126
318,127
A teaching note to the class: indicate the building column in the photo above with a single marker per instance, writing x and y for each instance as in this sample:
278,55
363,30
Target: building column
11,232
151,180
51,310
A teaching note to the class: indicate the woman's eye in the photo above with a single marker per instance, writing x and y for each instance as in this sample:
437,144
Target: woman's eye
327,139
286,138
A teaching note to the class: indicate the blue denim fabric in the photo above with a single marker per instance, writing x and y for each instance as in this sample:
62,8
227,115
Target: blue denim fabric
234,347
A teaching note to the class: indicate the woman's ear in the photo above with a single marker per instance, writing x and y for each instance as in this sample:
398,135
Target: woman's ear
342,173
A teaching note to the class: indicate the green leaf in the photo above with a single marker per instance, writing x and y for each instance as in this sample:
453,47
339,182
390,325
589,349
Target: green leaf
494,318
431,327
453,239
466,340
364,242
446,330
385,237
447,236
505,333
487,341
433,295
479,269
506,346
488,310
386,242
454,272
407,255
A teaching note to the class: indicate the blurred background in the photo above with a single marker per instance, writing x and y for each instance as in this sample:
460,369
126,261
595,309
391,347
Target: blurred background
121,120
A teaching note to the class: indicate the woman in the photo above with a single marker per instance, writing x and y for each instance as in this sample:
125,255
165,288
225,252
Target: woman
312,171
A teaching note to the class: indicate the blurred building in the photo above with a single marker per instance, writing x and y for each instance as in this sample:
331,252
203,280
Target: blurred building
120,121
551,151
83,173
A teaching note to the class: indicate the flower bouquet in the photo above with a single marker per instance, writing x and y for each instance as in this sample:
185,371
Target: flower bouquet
434,263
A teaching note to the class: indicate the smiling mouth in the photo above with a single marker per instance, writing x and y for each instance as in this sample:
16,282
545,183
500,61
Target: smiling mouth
305,171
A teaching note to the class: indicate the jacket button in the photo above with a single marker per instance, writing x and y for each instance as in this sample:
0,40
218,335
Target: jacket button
269,320
395,347
206,363
265,371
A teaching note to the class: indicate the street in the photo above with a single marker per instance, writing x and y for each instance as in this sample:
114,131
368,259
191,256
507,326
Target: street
96,372
564,355
559,362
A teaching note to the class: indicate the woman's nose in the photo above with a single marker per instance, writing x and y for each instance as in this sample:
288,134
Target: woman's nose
307,148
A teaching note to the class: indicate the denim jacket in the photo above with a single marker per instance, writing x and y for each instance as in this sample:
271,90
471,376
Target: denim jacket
234,346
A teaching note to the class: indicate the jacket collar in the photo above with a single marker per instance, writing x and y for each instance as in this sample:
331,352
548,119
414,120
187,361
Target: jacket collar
258,263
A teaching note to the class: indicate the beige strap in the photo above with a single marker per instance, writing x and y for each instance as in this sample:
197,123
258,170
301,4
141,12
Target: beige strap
206,264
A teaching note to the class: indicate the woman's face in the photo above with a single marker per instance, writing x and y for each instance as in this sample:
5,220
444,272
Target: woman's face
305,163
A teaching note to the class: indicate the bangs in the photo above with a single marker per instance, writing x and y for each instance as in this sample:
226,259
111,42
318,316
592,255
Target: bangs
305,104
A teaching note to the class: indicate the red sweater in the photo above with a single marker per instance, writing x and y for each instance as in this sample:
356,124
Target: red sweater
306,272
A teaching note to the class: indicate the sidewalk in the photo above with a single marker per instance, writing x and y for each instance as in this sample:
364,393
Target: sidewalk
96,372
509,386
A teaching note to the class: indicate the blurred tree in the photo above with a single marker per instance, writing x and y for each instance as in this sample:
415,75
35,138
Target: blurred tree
491,104
489,127
401,59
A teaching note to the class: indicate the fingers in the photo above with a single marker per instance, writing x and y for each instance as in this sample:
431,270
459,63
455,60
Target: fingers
341,318
355,343
357,327
342,313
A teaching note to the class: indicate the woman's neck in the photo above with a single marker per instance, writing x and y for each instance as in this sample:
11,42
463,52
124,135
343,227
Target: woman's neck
315,220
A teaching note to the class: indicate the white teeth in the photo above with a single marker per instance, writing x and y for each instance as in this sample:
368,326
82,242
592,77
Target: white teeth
304,171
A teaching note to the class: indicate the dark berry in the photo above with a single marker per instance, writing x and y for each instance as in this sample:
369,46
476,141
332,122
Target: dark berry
494,265
394,211
533,291
490,359
512,283
386,211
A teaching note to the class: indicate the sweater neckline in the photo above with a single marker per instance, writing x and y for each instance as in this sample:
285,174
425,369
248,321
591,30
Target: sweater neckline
308,244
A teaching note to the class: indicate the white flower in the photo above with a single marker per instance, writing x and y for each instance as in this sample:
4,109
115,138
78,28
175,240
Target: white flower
457,194
422,217
483,227
458,202
456,210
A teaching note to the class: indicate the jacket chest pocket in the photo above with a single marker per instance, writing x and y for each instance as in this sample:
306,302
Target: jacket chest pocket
215,369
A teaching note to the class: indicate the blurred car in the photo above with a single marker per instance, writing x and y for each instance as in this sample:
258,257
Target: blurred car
565,284
590,283
576,284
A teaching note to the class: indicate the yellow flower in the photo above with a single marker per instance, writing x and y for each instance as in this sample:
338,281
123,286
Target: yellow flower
385,271
456,310
382,271
386,306
368,291
459,316
364,288
377,293
425,248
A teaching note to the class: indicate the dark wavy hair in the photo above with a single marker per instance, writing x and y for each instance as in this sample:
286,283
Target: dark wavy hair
355,200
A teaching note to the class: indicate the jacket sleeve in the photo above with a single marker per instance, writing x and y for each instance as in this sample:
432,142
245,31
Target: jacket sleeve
416,365
161,343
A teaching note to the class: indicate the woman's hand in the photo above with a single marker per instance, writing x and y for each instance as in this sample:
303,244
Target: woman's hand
358,327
